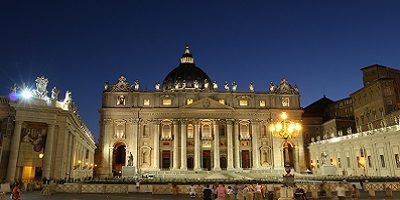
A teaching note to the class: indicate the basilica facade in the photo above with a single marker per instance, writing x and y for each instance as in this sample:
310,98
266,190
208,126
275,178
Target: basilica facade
190,123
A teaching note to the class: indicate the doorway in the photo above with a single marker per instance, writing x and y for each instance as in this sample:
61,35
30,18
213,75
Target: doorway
207,160
245,159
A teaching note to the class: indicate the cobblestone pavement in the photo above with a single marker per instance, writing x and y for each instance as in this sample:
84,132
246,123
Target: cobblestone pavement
134,196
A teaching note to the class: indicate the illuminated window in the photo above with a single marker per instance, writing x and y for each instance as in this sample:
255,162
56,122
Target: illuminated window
167,102
222,101
243,102
244,132
189,101
121,100
262,103
190,131
146,102
166,131
206,132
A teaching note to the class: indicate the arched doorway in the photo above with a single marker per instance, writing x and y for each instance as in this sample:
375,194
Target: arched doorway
119,156
290,149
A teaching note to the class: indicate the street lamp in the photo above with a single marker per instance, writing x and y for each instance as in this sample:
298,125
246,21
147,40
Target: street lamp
286,129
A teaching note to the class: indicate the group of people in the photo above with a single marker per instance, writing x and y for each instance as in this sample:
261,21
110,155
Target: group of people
232,192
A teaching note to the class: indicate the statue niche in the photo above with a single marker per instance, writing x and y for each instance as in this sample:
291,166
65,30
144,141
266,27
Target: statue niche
145,154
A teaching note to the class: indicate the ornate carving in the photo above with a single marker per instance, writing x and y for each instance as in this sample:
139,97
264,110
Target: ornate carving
136,85
283,88
234,86
215,85
226,86
54,93
67,100
41,87
121,86
36,137
251,87
157,86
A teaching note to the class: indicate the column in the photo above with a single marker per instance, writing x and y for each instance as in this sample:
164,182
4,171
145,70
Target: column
237,145
69,156
197,146
183,145
176,146
48,151
73,156
156,155
135,136
254,144
64,159
230,144
217,165
12,161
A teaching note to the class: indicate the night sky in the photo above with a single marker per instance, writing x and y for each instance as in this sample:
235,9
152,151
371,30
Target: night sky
78,45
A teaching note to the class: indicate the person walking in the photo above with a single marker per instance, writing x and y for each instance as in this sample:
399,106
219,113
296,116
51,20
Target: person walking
16,192
192,191
258,193
341,191
221,192
235,191
207,193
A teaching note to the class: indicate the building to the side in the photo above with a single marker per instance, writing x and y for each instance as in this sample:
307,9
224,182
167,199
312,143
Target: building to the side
379,97
369,145
43,137
189,123
368,153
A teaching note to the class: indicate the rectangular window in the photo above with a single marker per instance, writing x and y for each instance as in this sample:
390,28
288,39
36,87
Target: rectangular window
382,161
221,131
369,161
167,102
348,162
222,101
397,159
339,163
189,101
358,162
262,103
146,102
243,102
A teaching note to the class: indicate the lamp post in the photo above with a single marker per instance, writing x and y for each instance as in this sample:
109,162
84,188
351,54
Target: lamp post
286,129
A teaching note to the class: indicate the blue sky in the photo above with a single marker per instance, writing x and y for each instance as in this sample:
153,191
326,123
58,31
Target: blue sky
78,45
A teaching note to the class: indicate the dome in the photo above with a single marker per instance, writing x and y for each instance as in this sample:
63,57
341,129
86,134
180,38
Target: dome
187,75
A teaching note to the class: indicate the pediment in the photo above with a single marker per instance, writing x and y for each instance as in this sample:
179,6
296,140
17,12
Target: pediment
207,103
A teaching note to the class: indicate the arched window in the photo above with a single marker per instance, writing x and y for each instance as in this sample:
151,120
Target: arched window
244,132
166,131
206,131
119,129
190,133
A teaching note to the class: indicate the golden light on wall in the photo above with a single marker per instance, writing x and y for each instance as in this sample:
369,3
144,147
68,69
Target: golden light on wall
189,101
222,101
146,102
243,102
166,102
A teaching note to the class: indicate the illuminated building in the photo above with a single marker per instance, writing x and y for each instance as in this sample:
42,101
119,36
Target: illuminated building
43,137
189,123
